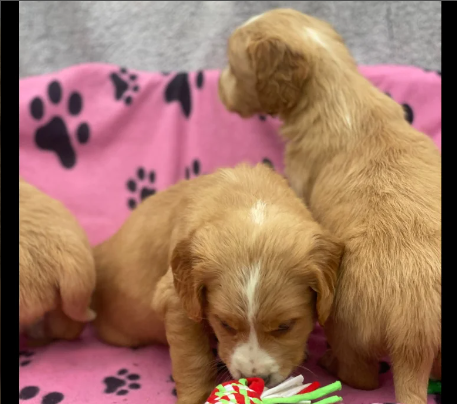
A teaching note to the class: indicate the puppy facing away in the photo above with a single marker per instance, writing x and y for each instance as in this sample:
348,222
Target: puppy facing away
56,269
234,253
368,177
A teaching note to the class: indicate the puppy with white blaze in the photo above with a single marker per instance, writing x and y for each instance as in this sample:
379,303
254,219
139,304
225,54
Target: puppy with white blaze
235,254
367,176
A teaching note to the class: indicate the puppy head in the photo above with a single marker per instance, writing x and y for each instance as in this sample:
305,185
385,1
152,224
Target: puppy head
259,286
270,59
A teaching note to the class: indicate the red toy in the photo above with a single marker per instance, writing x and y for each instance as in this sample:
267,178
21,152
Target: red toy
292,391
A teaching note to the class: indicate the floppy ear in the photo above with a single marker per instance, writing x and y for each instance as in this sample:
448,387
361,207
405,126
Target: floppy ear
280,72
188,287
325,262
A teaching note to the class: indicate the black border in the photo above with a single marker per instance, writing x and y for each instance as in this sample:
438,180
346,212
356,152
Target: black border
10,114
448,101
10,193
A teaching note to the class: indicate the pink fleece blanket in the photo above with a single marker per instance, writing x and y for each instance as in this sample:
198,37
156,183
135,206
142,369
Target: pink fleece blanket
101,138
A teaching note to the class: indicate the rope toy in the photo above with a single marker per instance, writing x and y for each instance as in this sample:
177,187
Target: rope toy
292,391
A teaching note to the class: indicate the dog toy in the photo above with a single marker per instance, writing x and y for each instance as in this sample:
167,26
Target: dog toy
292,391
434,387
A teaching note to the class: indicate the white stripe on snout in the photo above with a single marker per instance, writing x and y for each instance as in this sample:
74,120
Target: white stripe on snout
258,212
250,291
249,359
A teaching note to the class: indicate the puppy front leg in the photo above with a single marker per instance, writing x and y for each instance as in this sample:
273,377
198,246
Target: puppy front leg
191,357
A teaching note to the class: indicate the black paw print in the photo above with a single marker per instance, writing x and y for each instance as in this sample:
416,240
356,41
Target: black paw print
409,114
53,135
143,191
124,84
178,89
171,380
29,392
193,170
262,118
268,163
25,357
438,72
113,384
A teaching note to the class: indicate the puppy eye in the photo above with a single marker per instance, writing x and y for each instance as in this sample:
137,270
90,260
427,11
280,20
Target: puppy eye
284,327
227,327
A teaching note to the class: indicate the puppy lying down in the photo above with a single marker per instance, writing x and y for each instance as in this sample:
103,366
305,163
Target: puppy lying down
235,253
56,269
367,176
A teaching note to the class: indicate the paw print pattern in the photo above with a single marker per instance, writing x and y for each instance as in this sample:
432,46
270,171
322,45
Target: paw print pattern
171,380
268,163
263,118
409,114
438,72
142,186
115,384
25,357
178,89
29,392
124,85
193,170
53,135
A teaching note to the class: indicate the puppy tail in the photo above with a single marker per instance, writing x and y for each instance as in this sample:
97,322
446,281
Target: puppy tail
76,288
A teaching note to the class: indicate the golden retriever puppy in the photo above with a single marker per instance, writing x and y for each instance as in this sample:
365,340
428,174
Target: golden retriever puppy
234,253
56,269
368,177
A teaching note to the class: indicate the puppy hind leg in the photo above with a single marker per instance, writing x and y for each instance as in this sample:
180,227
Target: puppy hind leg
352,368
349,364
114,335
59,326
36,334
53,326
76,288
411,370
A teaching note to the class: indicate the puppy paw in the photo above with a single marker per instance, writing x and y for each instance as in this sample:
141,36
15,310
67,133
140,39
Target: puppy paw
194,396
90,315
36,330
191,400
36,335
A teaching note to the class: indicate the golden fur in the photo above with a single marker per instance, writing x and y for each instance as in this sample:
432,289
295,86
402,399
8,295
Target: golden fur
188,254
56,268
367,176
